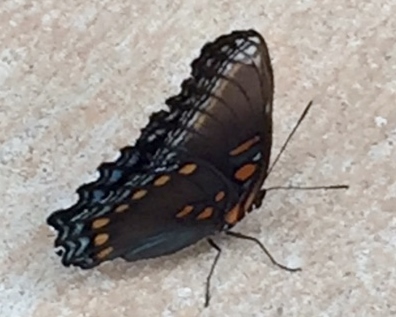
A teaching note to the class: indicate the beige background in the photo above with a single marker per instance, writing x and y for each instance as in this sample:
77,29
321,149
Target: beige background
78,81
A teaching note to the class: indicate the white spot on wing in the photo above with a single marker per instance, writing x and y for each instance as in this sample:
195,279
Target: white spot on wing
257,157
251,50
254,39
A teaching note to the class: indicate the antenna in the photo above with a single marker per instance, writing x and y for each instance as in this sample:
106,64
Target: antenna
303,115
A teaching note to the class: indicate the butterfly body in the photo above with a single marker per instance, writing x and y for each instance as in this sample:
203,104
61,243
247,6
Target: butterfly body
195,170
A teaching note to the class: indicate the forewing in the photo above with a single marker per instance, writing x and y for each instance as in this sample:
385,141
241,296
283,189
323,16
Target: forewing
228,111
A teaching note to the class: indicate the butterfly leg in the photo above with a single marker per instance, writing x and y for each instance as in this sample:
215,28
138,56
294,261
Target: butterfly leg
207,291
242,236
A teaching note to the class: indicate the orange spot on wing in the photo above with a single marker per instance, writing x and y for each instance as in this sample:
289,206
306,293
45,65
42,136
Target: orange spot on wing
162,180
139,194
121,208
101,239
219,196
245,172
245,146
185,211
188,169
233,216
105,252
99,223
206,213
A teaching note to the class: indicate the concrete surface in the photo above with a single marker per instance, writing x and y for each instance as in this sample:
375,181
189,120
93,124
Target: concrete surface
78,81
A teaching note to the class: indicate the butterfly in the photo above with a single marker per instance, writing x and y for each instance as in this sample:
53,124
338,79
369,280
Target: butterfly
197,168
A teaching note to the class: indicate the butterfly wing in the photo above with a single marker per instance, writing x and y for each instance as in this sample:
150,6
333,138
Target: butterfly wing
229,122
154,213
193,169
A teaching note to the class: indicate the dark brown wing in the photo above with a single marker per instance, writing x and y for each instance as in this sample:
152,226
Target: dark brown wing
193,171
229,99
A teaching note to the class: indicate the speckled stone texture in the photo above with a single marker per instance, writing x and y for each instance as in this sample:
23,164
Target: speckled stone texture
78,80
